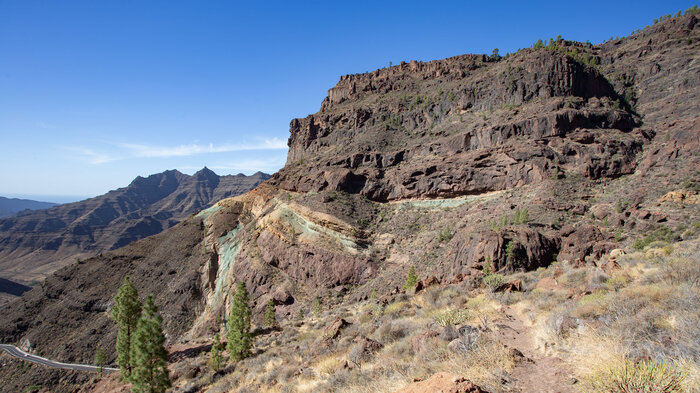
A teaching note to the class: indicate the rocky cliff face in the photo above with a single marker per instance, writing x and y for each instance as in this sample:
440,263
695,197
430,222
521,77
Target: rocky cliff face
452,166
34,244
464,125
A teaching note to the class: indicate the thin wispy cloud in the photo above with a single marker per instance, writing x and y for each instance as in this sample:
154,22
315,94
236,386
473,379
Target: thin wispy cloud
121,151
139,150
90,155
248,166
44,125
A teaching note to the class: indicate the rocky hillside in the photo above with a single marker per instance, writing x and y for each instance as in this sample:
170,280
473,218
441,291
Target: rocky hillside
10,206
547,159
34,244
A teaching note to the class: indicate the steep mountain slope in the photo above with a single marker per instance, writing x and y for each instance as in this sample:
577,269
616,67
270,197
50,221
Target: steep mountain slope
10,206
456,166
34,244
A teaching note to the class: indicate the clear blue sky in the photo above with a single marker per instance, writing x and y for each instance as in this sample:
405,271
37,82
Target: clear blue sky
94,93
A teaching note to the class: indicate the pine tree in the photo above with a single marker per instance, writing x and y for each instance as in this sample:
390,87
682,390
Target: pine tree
238,335
318,307
270,319
126,312
412,279
100,360
215,358
149,357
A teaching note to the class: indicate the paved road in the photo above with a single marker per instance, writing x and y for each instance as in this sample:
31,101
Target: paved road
18,353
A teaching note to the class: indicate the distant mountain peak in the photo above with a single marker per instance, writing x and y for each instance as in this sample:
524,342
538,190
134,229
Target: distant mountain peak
205,174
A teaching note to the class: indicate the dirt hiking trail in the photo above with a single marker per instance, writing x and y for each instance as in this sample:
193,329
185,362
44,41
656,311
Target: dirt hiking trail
536,372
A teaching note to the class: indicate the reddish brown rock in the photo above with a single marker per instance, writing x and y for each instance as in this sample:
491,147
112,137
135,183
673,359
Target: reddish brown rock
333,330
442,383
610,267
459,277
549,284
424,284
512,286
367,347
686,197
281,296
483,157
532,249
581,241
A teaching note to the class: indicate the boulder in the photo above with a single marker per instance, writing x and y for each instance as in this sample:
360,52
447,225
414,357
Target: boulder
581,241
442,383
686,197
428,282
469,335
610,267
367,347
333,330
616,253
281,296
448,333
456,346
532,249
512,286
549,284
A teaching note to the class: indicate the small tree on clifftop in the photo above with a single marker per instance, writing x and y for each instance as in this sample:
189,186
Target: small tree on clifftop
238,335
126,312
148,355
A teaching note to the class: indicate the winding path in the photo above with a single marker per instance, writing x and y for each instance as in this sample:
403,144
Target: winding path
20,354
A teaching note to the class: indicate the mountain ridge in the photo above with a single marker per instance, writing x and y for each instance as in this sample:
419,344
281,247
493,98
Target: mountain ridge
11,206
33,244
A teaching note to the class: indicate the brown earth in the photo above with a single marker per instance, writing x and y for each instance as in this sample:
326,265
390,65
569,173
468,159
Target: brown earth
442,383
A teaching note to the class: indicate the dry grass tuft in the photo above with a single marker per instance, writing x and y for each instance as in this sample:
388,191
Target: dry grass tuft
626,376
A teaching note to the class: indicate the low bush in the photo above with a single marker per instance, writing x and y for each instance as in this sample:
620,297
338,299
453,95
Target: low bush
493,281
396,309
451,317
638,377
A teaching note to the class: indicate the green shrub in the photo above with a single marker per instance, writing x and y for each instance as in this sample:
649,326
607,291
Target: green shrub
270,319
318,307
488,268
661,234
451,317
412,279
445,234
638,377
493,281
396,308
